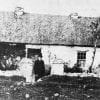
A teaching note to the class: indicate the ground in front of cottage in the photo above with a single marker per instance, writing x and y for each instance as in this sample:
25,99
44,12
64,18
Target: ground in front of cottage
51,88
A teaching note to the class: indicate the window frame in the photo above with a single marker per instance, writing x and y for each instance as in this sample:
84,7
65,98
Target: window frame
81,58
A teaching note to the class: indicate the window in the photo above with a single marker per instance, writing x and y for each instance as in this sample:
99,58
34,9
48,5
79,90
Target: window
81,58
32,52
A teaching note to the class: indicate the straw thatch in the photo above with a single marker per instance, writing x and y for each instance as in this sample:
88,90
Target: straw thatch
45,29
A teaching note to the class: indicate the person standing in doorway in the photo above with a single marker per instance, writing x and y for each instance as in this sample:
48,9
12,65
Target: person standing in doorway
39,67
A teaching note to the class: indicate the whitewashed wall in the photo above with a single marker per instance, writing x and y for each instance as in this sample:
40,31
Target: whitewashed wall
63,53
66,53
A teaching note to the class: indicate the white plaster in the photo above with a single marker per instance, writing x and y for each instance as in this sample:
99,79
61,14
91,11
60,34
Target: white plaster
57,69
67,54
52,53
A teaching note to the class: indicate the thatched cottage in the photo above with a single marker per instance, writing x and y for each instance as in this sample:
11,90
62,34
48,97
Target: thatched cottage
56,37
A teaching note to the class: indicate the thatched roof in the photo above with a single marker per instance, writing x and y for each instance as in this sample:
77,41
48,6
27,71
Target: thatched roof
45,29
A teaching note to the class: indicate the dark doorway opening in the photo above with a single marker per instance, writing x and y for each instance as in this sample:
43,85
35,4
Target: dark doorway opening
32,52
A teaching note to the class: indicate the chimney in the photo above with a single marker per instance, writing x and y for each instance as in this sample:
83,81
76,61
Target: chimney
19,11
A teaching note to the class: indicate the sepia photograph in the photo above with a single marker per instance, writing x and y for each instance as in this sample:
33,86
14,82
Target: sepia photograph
49,49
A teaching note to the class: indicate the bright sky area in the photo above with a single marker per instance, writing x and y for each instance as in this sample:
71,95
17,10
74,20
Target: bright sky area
54,7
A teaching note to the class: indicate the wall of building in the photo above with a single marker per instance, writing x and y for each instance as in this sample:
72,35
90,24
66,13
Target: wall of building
66,54
51,53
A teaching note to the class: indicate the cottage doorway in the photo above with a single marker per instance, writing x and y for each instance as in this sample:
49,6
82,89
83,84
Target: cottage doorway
32,52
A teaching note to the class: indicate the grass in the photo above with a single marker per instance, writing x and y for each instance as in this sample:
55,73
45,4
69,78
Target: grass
52,88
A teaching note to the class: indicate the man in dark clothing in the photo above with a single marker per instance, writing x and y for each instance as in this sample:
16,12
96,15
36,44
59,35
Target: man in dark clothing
39,68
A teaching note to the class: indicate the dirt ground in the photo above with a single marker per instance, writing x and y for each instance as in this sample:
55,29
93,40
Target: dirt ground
50,88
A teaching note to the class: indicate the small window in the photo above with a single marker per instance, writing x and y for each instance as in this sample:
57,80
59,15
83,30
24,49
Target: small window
81,55
81,58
